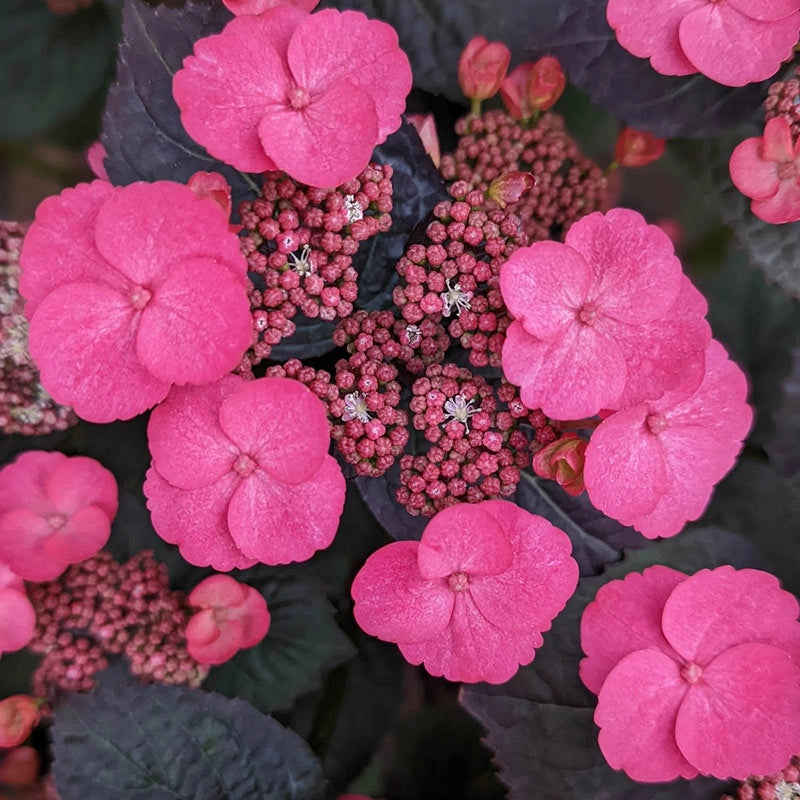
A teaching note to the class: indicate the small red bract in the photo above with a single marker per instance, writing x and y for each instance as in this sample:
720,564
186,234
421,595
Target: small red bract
19,715
470,599
426,128
683,666
562,461
532,88
482,67
232,616
54,511
638,148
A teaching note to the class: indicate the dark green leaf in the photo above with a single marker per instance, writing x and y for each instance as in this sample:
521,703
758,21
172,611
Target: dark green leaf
784,447
16,670
302,643
379,495
166,743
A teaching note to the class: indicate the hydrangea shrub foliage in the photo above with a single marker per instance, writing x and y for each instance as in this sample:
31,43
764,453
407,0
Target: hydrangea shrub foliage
382,393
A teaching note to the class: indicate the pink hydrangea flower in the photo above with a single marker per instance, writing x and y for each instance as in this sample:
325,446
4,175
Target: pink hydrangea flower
654,465
17,618
602,320
695,674
129,290
470,599
239,7
241,473
317,93
232,616
767,170
733,42
54,511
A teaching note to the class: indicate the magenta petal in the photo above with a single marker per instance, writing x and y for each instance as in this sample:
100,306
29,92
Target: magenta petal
78,482
523,357
629,289
197,521
544,286
770,10
82,339
23,482
717,609
278,523
81,536
540,580
472,649
281,424
463,538
392,600
225,122
254,617
636,712
624,470
188,445
751,173
777,140
197,324
653,34
744,50
782,207
743,716
326,143
331,46
59,246
17,620
22,537
625,616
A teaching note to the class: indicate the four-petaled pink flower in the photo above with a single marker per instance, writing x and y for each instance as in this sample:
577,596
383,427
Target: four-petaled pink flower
602,321
129,290
767,170
318,93
470,599
654,465
232,616
54,511
241,473
733,42
695,674
17,617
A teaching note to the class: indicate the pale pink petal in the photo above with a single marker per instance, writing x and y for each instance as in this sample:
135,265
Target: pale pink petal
188,445
217,649
653,34
278,523
771,10
716,609
23,482
625,616
82,339
782,207
197,324
9,579
751,173
239,7
636,712
78,482
22,536
392,600
541,579
81,536
733,49
281,424
197,521
59,246
218,591
624,469
243,56
743,716
326,143
472,649
254,618
667,353
463,538
332,46
202,628
777,140
544,286
17,620
636,274
146,228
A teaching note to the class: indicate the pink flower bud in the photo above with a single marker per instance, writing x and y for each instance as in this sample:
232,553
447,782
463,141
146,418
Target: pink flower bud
509,188
20,767
513,91
638,148
19,715
546,83
562,462
426,128
482,67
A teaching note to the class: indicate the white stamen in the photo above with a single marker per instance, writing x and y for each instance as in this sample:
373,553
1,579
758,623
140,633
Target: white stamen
413,334
301,265
15,346
455,298
355,407
460,409
353,209
787,791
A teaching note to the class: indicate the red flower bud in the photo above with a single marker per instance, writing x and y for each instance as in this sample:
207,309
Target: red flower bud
19,715
426,128
215,187
562,461
546,83
482,67
638,148
20,767
514,89
510,187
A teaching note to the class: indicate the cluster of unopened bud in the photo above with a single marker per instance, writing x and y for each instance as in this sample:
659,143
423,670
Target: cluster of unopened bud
783,99
784,785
